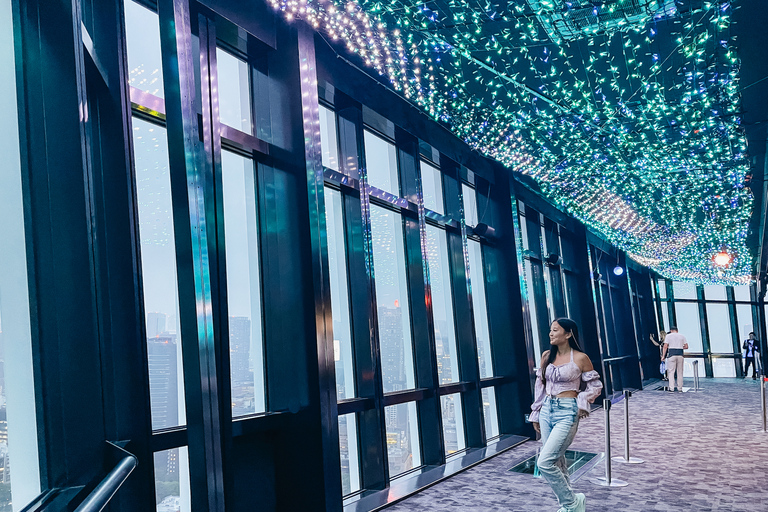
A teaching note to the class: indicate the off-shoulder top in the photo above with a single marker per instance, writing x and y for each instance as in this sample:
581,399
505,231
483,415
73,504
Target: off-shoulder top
566,377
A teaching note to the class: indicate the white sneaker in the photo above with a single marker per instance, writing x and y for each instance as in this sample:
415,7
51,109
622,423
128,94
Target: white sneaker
581,503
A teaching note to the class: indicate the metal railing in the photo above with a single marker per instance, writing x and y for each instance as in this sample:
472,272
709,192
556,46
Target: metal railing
98,498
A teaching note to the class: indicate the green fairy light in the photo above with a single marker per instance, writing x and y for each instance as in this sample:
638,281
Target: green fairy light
630,123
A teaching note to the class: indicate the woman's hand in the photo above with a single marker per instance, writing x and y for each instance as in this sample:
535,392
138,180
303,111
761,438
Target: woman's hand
536,427
583,414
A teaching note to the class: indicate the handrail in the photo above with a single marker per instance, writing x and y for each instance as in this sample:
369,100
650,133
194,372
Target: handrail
620,358
100,496
40,501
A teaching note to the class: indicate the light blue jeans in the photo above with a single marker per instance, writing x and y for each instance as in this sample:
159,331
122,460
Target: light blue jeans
558,420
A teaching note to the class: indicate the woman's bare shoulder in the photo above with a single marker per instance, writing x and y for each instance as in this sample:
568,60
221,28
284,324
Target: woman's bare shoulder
583,361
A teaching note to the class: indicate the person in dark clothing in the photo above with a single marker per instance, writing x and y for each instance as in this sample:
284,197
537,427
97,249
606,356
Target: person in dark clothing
751,348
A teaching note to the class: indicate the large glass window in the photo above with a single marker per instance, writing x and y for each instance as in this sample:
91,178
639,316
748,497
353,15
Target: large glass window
158,267
19,463
337,262
689,324
741,293
719,322
350,458
403,446
662,289
234,91
394,320
714,292
442,305
480,309
665,315
453,424
381,161
688,367
723,367
432,188
246,340
328,138
145,63
684,290
490,413
532,310
744,319
470,204
172,492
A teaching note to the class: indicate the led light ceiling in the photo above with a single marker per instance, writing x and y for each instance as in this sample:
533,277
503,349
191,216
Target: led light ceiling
627,116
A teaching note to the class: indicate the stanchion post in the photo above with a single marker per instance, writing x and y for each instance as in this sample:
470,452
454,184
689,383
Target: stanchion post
627,459
608,481
696,376
762,400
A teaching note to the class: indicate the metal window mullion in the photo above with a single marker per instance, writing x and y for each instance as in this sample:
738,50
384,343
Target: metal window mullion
704,325
192,254
422,320
733,314
375,467
321,283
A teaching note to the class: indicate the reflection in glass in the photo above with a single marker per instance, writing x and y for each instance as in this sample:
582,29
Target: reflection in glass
662,289
689,324
381,161
744,318
523,228
145,63
480,308
350,460
532,312
714,292
665,315
328,140
470,204
719,323
453,423
688,367
741,293
234,91
241,234
337,273
684,290
19,461
172,480
158,268
393,313
432,188
403,448
723,367
490,413
442,305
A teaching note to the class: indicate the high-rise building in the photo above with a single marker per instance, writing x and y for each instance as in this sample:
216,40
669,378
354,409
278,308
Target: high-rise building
392,348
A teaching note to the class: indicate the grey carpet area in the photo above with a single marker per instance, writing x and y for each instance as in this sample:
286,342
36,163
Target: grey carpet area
701,453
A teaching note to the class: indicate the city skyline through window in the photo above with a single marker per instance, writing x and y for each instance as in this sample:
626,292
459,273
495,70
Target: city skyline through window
241,233
393,311
442,306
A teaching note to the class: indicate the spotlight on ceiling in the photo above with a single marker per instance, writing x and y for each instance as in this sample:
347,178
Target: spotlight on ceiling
552,259
618,270
485,231
722,259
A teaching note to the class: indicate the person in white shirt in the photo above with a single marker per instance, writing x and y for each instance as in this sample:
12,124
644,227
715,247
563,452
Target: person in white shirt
674,344
751,348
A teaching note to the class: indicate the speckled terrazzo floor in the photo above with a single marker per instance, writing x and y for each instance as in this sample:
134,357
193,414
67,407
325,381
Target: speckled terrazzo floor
701,453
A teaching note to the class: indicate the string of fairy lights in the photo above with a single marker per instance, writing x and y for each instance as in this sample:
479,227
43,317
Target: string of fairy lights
626,113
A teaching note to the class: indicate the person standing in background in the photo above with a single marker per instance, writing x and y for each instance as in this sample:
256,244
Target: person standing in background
751,348
672,351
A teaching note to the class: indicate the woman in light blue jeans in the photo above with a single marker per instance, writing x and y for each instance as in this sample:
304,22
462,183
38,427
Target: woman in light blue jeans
560,403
